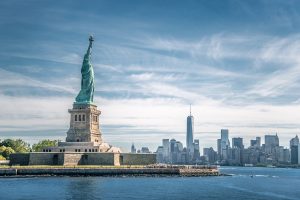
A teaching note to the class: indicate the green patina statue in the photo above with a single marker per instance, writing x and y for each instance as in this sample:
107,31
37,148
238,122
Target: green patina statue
86,94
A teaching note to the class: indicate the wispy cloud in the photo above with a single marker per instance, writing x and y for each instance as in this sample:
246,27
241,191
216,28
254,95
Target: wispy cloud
8,78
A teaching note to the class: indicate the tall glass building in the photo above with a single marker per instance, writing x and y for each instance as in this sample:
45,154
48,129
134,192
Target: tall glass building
190,133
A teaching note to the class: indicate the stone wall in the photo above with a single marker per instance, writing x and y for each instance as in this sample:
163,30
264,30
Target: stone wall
52,158
46,158
101,159
19,159
91,159
72,158
137,159
64,158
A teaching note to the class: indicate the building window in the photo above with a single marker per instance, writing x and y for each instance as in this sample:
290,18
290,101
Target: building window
78,150
96,118
77,140
90,150
79,118
75,118
83,118
85,150
43,150
64,150
96,150
75,150
60,150
49,150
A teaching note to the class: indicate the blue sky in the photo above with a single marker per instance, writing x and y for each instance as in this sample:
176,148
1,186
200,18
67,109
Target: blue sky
236,62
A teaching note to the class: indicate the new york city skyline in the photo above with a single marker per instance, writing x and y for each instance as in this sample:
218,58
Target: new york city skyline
235,62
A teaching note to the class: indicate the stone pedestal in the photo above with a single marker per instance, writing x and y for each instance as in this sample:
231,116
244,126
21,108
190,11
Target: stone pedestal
84,124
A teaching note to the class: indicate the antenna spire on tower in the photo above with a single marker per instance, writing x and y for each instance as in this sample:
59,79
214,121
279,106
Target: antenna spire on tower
190,109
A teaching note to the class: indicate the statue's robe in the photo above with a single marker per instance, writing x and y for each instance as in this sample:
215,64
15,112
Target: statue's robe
86,94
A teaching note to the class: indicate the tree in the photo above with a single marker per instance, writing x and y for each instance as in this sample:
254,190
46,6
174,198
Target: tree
2,149
2,158
6,151
44,143
17,145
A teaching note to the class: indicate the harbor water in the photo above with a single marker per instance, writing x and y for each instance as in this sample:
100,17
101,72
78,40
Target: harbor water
244,183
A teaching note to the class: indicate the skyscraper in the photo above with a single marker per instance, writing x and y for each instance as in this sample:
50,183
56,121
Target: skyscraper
237,142
294,141
219,147
294,146
294,154
173,153
237,150
271,141
160,154
210,155
190,133
196,150
252,143
225,144
166,146
133,149
258,142
255,143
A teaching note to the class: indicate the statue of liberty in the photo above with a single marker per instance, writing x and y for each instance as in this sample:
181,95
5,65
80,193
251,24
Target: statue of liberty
86,94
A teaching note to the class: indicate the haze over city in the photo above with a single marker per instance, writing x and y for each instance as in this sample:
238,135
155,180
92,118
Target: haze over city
237,64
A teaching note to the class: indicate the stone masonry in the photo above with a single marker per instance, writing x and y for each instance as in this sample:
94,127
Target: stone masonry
84,124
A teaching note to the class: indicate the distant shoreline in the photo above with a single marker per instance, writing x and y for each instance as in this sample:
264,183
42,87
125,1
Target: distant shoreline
265,166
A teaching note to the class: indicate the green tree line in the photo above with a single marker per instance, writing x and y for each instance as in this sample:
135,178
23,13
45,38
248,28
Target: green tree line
9,146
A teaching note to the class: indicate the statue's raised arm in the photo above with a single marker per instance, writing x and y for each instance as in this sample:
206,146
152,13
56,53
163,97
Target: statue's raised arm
91,39
86,94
